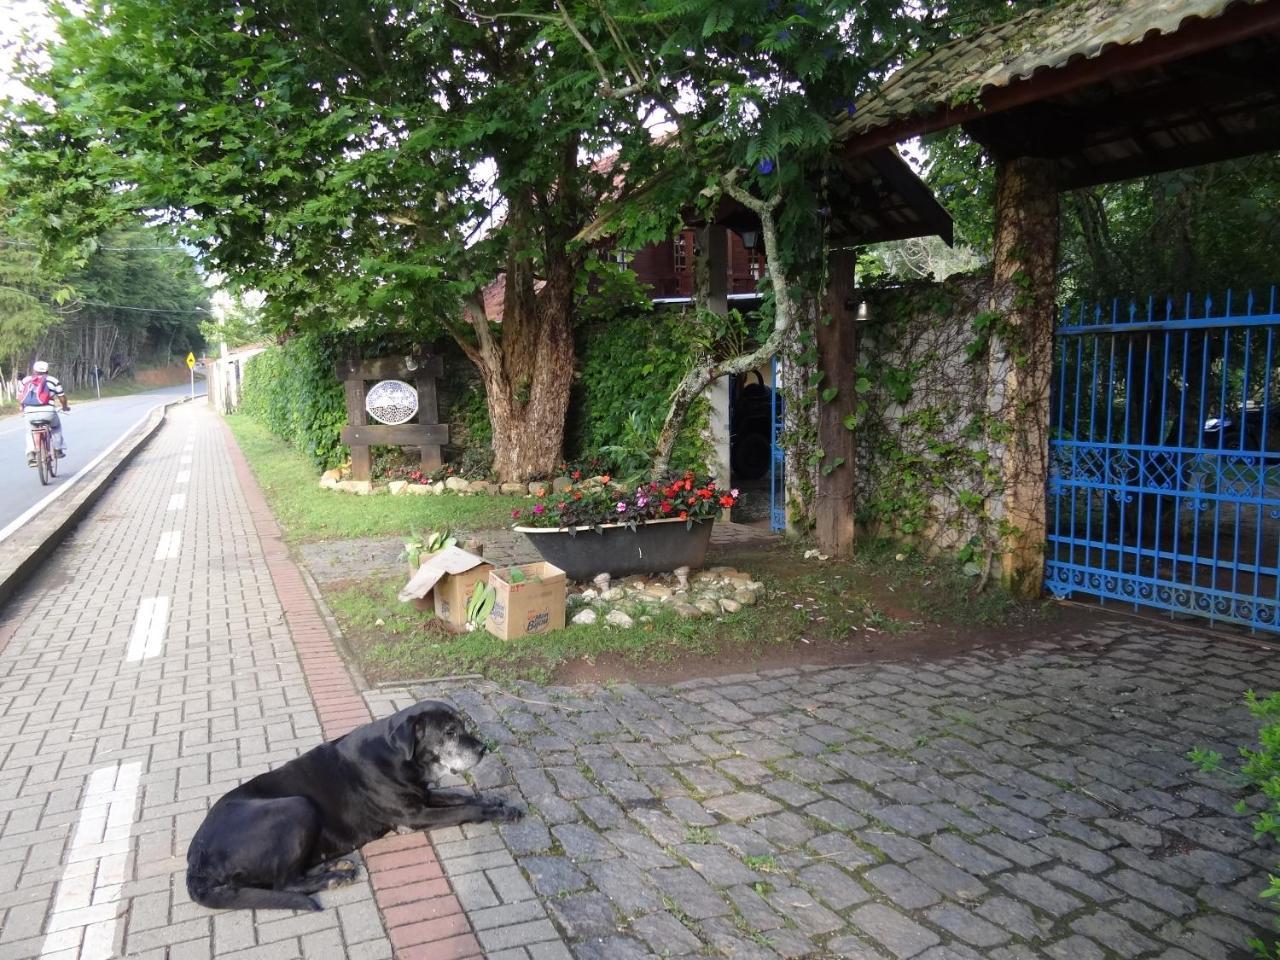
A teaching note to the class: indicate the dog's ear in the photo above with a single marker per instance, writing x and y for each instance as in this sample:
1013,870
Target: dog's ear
405,736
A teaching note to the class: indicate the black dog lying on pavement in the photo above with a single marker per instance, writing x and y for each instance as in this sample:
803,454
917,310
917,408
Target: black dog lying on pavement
279,837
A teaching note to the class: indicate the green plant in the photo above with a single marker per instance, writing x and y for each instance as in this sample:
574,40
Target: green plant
416,544
292,391
1261,770
481,603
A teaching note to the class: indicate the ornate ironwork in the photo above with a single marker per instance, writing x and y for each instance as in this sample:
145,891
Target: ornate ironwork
1164,480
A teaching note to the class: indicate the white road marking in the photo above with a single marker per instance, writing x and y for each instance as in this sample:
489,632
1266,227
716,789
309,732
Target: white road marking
184,460
88,899
62,488
169,545
183,476
149,629
177,501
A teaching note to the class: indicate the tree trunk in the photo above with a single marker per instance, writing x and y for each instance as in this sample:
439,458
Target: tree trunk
1021,361
528,373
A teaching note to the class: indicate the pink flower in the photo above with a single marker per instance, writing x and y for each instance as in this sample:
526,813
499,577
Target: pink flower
734,493
642,501
622,507
538,508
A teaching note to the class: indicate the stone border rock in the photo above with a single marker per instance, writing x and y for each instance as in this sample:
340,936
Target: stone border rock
630,601
333,480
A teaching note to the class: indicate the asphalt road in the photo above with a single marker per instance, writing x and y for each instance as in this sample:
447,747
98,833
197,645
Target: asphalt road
90,428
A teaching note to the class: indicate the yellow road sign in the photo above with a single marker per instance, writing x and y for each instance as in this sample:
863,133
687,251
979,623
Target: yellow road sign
191,361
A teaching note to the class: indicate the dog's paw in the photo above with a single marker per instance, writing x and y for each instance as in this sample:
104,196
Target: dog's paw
499,811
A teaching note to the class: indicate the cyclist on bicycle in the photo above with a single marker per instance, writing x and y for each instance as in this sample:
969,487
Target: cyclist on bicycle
38,393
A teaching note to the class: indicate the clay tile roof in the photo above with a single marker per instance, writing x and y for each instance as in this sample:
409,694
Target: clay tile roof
1043,39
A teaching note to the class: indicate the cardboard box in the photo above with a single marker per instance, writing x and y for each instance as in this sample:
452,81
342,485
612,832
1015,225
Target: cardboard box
535,605
444,583
454,591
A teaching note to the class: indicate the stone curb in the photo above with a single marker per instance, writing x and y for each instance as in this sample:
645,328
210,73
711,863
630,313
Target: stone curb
420,910
23,552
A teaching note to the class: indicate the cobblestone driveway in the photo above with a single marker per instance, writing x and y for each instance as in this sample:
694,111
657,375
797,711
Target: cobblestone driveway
1034,805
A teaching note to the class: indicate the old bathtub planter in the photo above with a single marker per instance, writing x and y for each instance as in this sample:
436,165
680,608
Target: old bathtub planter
656,546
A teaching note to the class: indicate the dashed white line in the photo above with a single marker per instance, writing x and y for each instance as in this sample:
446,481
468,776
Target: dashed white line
183,476
149,629
169,545
177,501
88,900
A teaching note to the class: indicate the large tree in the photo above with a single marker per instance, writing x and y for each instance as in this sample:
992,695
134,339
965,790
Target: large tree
359,161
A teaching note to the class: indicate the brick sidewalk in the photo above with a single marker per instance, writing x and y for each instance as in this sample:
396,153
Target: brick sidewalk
149,669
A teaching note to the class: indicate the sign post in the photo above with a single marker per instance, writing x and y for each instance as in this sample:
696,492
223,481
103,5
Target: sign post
191,365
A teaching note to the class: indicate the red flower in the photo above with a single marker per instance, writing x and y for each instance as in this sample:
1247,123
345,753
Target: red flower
704,493
666,506
564,506
684,514
577,495
606,478
515,514
691,501
577,474
726,501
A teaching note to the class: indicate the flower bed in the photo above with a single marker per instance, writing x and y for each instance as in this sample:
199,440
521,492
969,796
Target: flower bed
600,501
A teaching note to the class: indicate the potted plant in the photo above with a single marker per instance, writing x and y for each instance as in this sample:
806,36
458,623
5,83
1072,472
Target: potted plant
418,545
603,527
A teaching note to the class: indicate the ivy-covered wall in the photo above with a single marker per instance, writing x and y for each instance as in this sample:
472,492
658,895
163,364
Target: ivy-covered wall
628,368
294,392
926,438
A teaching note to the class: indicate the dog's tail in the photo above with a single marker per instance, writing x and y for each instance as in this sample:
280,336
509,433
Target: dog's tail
225,896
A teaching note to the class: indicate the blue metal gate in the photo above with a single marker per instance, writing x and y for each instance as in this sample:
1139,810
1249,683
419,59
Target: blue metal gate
1164,475
777,456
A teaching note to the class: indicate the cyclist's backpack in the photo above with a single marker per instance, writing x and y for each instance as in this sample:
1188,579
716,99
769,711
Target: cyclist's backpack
37,392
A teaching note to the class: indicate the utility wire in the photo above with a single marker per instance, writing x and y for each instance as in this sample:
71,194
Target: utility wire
118,306
24,243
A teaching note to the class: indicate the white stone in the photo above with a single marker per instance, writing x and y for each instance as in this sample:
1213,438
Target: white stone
329,482
688,611
418,489
539,488
396,487
360,487
483,486
745,597
730,606
513,489
619,619
437,488
613,594
587,616
335,474
456,484
707,605
561,484
589,594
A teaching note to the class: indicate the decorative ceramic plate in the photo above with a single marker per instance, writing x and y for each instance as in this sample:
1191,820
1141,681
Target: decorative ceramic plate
391,402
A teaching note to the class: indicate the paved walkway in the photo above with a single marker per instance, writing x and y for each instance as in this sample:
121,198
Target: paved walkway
1036,805
149,670
1033,805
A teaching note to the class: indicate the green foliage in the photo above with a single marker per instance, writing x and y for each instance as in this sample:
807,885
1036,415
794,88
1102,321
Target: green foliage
433,541
630,366
1260,770
481,603
293,391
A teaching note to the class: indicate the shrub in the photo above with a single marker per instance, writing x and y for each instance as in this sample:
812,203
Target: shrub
1261,769
630,367
294,392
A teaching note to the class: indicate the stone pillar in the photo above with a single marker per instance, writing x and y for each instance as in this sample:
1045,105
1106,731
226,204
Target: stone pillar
714,239
837,356
1021,361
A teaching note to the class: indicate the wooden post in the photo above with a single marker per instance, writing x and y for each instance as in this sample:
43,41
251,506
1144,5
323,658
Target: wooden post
353,386
1021,360
837,356
428,412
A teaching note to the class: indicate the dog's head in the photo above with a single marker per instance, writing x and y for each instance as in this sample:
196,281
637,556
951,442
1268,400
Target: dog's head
434,737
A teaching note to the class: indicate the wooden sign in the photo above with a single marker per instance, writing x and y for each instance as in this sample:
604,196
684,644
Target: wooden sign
427,434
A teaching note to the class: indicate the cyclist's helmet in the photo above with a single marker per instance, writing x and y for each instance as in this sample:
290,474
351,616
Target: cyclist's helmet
40,367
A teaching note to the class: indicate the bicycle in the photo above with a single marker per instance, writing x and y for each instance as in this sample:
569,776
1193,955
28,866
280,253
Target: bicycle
46,457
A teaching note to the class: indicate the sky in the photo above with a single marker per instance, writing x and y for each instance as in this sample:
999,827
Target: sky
27,17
